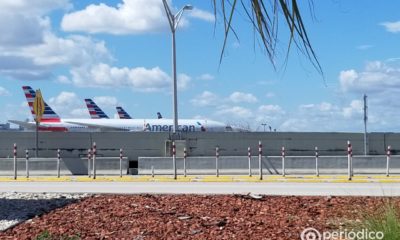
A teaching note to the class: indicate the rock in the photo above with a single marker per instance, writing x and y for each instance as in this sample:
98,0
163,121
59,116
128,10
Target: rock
211,217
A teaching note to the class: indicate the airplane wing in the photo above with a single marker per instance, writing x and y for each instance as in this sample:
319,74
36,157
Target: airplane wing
27,125
98,126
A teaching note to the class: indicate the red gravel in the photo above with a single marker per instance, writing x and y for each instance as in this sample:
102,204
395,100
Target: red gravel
195,217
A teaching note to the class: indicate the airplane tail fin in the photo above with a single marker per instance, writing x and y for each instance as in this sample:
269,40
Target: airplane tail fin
49,115
159,116
122,113
94,110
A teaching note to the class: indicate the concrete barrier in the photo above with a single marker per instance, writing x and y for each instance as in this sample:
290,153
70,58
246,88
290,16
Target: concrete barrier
270,165
68,166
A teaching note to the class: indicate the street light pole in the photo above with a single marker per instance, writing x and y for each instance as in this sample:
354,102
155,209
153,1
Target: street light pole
264,124
173,22
365,125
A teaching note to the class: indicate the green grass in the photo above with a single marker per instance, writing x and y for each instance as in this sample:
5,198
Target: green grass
385,219
45,235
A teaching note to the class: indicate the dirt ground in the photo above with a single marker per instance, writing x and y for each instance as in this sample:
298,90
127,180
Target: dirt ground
195,217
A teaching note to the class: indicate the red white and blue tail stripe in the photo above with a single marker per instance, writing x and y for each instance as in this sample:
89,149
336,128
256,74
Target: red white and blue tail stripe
49,115
122,113
94,110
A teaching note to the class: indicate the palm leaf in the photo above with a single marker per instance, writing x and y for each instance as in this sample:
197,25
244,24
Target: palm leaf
264,16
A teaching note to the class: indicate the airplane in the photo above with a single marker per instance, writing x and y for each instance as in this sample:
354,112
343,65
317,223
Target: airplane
94,110
52,122
122,113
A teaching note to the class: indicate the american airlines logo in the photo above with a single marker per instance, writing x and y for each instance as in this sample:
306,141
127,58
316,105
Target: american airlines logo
168,128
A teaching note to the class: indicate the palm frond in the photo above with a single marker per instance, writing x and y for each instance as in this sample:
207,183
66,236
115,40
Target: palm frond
264,16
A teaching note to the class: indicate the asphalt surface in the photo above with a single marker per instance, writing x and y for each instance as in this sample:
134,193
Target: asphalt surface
271,188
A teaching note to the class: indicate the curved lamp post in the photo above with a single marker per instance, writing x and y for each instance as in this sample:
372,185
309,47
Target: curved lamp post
173,22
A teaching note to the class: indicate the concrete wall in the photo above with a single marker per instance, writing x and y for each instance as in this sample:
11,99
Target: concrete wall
296,143
136,144
76,144
198,144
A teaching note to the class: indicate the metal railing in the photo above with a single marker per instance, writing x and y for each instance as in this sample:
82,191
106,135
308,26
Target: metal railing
58,160
284,158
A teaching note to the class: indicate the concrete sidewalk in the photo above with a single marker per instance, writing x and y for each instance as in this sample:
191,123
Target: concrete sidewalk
266,188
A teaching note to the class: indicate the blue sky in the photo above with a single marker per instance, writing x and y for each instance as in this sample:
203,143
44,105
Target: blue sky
119,53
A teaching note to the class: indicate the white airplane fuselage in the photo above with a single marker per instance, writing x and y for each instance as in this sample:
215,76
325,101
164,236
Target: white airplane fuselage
133,125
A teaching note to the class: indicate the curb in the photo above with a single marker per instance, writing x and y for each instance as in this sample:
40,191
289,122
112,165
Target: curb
255,179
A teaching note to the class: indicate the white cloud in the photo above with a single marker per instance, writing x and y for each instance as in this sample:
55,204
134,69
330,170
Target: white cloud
347,78
347,116
364,47
138,79
205,99
33,7
103,75
4,92
355,108
75,51
395,59
273,115
38,61
128,17
266,82
238,97
270,109
295,125
106,101
21,30
236,112
322,107
201,14
314,117
30,50
206,77
68,105
131,16
270,95
393,27
63,79
64,98
235,45
324,116
377,76
183,81
17,111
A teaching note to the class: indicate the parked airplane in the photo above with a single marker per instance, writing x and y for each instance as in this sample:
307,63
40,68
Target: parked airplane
52,122
94,110
122,113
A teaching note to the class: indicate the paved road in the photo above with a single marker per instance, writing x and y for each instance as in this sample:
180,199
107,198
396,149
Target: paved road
314,189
